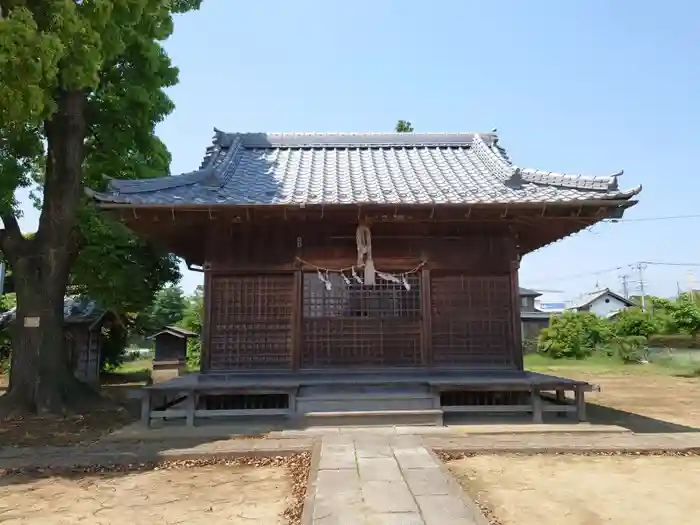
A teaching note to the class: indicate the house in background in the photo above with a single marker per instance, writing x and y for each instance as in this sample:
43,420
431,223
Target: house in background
603,303
532,319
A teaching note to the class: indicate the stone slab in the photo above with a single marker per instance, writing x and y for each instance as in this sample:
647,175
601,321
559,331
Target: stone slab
416,457
379,469
427,481
396,518
445,509
388,496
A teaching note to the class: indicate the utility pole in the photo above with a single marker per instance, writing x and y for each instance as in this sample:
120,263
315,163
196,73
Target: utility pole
640,270
625,286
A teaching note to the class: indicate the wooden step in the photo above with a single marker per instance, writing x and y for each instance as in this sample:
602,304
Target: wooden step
370,418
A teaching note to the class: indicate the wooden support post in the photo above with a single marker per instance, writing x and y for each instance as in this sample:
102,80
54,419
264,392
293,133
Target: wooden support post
561,398
190,406
426,319
297,298
146,407
580,403
536,405
516,332
205,342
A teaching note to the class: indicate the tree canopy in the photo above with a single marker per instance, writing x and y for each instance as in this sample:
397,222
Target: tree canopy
81,91
403,126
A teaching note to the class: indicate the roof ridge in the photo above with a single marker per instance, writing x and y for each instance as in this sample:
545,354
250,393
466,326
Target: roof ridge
223,140
574,180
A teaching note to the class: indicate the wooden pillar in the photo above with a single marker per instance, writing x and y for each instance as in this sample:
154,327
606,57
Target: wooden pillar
205,360
146,407
536,405
190,407
297,312
580,403
426,319
517,338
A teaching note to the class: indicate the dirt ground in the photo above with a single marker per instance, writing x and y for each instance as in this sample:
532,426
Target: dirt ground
210,495
584,490
42,431
645,403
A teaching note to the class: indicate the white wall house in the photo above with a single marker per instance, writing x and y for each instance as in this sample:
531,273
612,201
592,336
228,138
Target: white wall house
603,303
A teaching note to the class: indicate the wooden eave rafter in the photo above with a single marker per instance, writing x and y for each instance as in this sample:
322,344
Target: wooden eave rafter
598,209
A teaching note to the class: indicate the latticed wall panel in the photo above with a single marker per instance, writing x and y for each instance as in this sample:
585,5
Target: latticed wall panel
471,320
352,325
251,322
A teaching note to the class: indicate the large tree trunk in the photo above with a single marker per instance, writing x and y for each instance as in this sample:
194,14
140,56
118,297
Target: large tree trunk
41,377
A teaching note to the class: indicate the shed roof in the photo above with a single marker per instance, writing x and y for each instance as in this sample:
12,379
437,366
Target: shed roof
76,310
360,168
175,331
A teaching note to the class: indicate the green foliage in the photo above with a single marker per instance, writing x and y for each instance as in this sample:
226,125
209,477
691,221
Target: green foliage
192,320
8,301
635,322
573,335
403,126
167,308
630,349
684,313
110,52
113,351
117,268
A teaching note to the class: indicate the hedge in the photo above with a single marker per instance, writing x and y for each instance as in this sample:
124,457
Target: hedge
674,341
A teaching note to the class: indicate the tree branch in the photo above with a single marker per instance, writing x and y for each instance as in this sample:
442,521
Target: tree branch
12,241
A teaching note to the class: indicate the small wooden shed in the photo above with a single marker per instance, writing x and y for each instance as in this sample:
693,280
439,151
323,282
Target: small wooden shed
170,358
83,323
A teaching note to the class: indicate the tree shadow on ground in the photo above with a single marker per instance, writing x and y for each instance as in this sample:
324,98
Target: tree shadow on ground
605,415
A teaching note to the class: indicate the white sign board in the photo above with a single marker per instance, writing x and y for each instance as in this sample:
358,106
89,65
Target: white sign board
31,322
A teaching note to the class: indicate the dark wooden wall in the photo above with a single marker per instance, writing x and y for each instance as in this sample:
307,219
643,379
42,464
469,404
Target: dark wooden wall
170,347
83,347
266,309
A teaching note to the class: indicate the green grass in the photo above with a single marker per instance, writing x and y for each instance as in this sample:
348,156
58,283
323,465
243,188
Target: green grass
601,364
138,371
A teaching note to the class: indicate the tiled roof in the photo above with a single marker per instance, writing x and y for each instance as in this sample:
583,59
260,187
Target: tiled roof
76,310
589,298
526,292
360,168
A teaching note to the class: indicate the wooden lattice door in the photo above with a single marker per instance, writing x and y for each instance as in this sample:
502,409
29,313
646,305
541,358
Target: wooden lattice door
251,322
352,325
471,320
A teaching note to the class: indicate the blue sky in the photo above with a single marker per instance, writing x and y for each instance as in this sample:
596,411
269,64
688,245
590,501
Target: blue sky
585,86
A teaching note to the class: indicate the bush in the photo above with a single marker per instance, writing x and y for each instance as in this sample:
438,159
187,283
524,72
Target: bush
635,322
574,336
631,349
194,353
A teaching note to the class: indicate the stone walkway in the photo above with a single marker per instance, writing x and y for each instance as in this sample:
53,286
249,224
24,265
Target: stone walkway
379,480
362,476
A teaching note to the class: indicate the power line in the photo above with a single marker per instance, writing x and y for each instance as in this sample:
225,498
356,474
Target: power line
621,267
647,219
653,263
